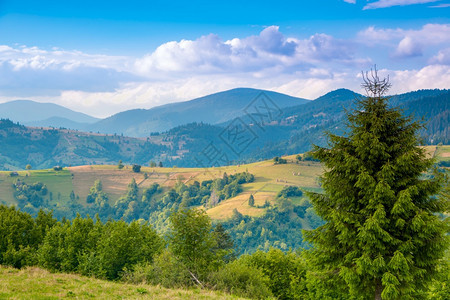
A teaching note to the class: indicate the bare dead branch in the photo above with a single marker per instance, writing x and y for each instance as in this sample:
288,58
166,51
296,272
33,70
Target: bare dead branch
373,85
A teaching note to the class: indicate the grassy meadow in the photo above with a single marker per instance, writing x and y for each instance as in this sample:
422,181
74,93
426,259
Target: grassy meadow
36,283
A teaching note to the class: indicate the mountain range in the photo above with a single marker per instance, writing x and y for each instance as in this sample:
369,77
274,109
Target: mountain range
213,109
205,130
33,113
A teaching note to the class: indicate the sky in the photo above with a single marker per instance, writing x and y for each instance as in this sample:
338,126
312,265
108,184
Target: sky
103,57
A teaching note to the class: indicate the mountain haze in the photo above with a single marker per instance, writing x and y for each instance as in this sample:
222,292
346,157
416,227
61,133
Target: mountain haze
33,113
213,109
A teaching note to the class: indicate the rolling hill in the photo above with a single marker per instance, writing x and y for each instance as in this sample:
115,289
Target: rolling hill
269,180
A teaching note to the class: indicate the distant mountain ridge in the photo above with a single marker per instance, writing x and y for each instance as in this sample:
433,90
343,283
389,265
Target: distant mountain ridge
213,109
34,113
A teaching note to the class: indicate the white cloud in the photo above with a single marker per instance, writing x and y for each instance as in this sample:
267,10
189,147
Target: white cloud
268,50
390,3
442,57
429,77
372,35
350,1
407,43
30,71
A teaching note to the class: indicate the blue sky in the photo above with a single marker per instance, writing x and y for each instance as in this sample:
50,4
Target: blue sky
101,57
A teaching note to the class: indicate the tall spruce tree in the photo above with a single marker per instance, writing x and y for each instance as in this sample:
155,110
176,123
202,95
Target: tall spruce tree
382,238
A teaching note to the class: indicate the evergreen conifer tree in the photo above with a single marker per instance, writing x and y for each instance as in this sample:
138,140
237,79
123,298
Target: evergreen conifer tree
382,238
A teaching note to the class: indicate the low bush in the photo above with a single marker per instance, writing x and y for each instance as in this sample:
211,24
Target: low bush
242,280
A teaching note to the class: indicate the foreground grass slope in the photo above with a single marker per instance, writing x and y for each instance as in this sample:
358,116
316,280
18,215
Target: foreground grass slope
269,180
36,283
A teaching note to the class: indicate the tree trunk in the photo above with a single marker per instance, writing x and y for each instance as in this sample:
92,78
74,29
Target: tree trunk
378,290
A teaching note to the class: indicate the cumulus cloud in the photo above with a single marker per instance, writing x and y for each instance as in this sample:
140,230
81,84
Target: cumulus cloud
407,43
30,71
442,57
429,77
268,50
390,3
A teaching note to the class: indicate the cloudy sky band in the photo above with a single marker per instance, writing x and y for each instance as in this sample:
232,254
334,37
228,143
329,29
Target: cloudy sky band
296,60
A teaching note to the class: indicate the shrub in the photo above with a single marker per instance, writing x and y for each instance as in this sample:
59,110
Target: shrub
242,280
165,270
286,272
279,161
290,191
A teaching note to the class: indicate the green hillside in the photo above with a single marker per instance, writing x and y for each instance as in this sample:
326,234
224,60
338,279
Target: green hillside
269,180
36,283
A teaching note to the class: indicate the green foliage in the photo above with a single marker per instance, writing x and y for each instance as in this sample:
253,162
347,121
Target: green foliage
290,191
136,168
241,279
123,245
156,207
251,200
440,286
308,156
99,198
279,161
280,227
29,194
286,272
120,165
128,206
165,270
382,236
191,241
198,254
224,245
195,250
21,235
93,248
